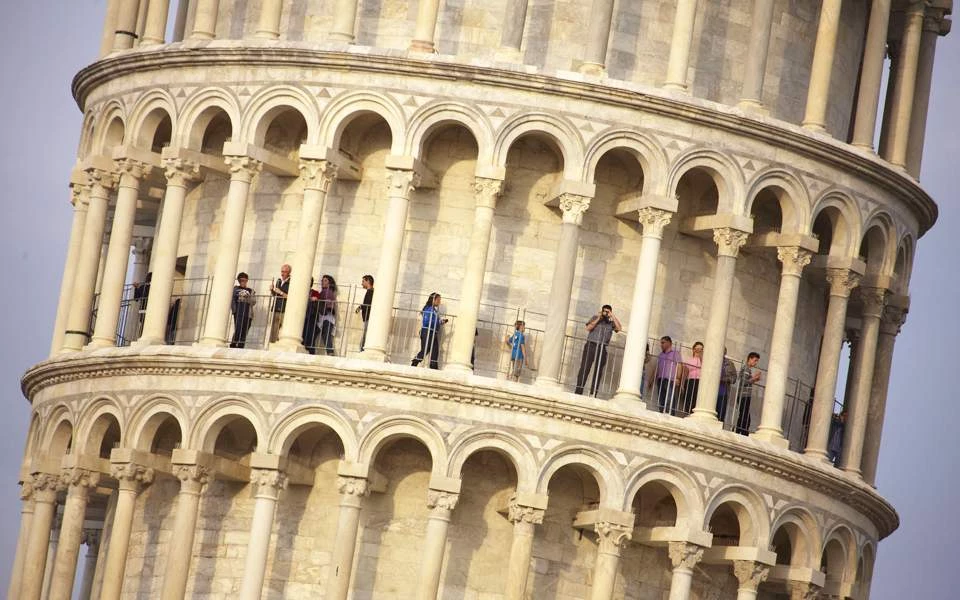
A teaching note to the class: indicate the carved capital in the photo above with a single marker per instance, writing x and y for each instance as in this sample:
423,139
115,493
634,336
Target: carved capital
317,174
486,191
91,537
794,259
353,486
612,536
192,477
131,171
803,590
180,172
729,241
892,319
573,207
79,196
26,490
45,486
654,221
243,168
684,555
842,281
268,479
442,500
750,574
518,513
401,182
75,477
101,181
131,475
873,300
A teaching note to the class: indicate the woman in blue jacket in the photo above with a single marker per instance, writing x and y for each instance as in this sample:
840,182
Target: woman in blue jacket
430,332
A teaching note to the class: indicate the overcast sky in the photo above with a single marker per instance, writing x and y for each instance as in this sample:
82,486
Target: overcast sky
45,42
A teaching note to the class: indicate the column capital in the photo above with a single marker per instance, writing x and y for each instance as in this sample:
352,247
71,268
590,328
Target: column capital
612,536
684,555
750,574
487,191
317,174
353,486
101,180
653,221
873,300
794,259
803,590
181,172
402,182
131,168
270,480
192,477
518,513
729,241
573,206
441,499
131,476
892,319
74,478
45,487
842,281
91,537
26,490
79,195
243,168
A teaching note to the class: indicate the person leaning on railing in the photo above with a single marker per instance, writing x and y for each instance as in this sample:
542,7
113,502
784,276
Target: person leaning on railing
279,290
430,332
668,376
241,305
600,328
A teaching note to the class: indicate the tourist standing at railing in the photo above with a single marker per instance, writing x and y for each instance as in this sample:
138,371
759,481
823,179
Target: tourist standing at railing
749,375
364,309
430,332
835,448
600,329
691,374
241,305
728,378
668,376
518,350
141,295
310,319
279,290
327,309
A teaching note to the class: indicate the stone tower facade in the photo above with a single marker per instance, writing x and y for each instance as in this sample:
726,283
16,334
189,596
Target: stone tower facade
707,169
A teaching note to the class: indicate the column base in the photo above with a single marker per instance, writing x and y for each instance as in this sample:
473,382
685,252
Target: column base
287,345
771,436
150,42
865,147
210,343
856,473
707,418
753,106
628,404
458,368
145,341
422,46
591,68
267,35
676,87
623,395
339,36
201,36
814,127
374,354
512,55
548,383
818,456
96,343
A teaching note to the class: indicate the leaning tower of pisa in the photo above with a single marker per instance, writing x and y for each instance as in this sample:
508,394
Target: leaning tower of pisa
709,170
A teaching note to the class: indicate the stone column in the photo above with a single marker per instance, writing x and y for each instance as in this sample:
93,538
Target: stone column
729,241
751,96
653,221
511,34
524,519
344,21
893,319
598,37
317,175
400,184
130,479
192,478
486,192
104,545
78,482
933,27
818,90
268,483
803,590
180,174
871,74
749,575
268,27
91,538
873,300
81,200
118,253
88,263
684,557
611,537
26,520
441,504
243,169
794,259
680,43
109,28
573,207
352,492
205,20
156,27
45,488
180,21
904,86
423,35
842,282
52,545
125,32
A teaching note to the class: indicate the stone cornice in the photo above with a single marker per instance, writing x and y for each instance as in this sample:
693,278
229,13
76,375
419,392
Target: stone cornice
624,94
784,464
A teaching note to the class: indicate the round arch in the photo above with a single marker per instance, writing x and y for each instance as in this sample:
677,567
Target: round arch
265,105
436,114
653,162
220,412
90,422
150,413
294,423
607,476
345,107
682,488
558,129
805,525
199,110
757,532
882,250
509,446
726,175
392,428
794,202
147,115
111,129
844,220
59,433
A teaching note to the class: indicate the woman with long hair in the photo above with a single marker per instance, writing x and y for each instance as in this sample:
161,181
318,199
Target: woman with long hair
691,385
327,311
430,332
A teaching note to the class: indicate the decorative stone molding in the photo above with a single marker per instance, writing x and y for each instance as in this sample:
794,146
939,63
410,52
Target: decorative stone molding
401,182
130,168
729,241
653,221
317,174
268,479
750,574
892,319
352,486
442,500
518,513
26,491
45,487
101,181
573,206
842,281
873,300
794,259
243,168
612,536
131,476
192,477
75,477
684,555
79,195
180,172
487,191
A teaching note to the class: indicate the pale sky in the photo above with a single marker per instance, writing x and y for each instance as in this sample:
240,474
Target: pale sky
45,42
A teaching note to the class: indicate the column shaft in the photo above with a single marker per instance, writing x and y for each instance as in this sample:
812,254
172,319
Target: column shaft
842,281
268,27
610,537
921,96
126,25
793,259
904,86
751,95
130,477
352,492
680,43
729,241
684,557
180,21
344,21
461,348
80,205
155,30
818,90
192,480
518,567
631,374
889,328
92,539
749,575
435,543
871,74
269,483
109,27
35,559
71,533
423,35
242,172
511,33
598,37
205,19
23,539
